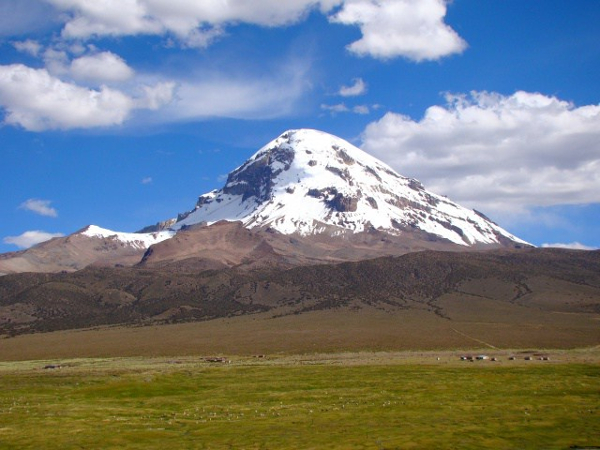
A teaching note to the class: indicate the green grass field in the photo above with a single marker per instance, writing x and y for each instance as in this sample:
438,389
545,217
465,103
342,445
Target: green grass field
291,403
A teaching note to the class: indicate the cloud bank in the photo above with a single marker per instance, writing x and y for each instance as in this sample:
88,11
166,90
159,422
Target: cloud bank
38,101
83,87
497,153
572,246
414,29
30,238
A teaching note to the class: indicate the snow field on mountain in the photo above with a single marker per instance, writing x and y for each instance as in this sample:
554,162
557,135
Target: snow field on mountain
135,240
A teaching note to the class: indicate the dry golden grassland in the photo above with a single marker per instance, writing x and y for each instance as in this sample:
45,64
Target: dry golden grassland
336,330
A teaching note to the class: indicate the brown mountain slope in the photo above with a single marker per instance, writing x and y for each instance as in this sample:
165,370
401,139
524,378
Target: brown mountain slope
220,245
230,244
70,253
537,285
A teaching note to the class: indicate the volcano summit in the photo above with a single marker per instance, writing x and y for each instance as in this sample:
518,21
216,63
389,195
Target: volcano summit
309,182
305,197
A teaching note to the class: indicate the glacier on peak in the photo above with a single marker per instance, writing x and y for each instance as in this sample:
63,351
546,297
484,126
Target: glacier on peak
310,182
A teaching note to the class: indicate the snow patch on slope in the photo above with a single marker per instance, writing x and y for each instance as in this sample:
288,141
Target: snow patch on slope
139,241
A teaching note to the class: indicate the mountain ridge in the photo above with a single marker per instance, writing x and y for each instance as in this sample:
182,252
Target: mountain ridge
554,289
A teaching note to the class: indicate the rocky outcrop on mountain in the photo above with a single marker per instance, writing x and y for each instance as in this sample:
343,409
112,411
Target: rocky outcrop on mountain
159,226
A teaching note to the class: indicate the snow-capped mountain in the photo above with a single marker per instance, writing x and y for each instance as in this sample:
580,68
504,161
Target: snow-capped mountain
309,182
306,197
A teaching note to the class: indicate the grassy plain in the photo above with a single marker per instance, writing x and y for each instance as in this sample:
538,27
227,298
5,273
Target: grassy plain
328,401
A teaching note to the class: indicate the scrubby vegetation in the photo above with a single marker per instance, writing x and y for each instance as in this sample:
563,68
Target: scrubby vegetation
540,280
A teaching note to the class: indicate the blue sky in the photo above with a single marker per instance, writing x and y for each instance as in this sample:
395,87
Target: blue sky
121,113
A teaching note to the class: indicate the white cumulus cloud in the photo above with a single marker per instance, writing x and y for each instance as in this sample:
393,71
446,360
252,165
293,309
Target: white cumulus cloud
413,29
497,153
358,87
107,17
37,101
29,46
101,67
195,22
30,238
38,206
